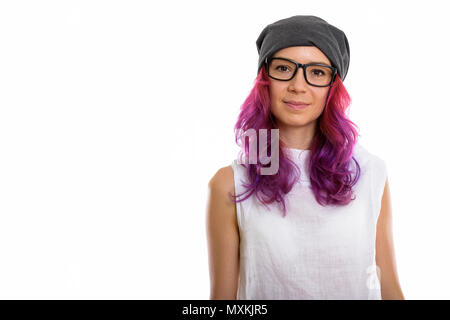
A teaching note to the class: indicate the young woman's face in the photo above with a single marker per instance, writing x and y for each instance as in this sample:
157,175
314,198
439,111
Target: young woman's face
298,90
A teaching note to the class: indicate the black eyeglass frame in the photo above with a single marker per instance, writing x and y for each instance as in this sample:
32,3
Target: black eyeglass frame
303,66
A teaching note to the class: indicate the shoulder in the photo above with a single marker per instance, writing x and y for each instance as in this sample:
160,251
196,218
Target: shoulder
361,153
377,163
223,180
378,173
222,210
367,158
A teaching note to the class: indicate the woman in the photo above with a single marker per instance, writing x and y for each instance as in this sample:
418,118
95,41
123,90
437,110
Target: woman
321,226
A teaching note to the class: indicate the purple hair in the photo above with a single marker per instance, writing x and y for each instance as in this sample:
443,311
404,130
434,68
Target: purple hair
331,150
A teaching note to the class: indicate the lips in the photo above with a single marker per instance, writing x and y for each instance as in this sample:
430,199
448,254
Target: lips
297,103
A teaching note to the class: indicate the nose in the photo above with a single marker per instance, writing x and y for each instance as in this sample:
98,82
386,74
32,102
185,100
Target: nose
298,82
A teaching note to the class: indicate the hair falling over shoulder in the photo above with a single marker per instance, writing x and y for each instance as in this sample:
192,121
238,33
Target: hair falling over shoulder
330,157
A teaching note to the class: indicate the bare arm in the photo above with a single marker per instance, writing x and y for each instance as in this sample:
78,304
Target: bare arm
222,236
385,257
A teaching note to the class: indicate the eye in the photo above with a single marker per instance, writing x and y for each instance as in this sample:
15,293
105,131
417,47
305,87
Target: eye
318,72
282,67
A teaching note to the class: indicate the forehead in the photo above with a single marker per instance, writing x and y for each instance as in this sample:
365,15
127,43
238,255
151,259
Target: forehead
303,54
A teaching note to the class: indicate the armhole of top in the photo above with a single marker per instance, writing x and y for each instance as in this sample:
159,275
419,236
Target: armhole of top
237,190
378,181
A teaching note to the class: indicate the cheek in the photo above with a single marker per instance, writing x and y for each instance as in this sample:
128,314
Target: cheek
276,97
274,91
320,94
320,97
319,104
277,94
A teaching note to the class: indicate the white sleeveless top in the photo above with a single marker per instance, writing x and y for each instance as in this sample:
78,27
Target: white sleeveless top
314,252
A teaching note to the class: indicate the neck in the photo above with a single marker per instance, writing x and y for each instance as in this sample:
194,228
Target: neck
298,137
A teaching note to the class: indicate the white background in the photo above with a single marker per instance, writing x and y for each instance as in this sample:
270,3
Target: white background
114,115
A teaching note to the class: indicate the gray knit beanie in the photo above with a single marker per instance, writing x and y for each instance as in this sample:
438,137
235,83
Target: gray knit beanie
305,30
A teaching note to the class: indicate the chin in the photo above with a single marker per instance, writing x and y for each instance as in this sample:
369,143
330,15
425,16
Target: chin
289,120
291,117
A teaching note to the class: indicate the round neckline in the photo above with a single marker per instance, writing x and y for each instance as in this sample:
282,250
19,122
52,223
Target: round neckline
299,150
299,154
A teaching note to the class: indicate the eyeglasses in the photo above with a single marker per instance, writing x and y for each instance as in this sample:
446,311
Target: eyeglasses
316,74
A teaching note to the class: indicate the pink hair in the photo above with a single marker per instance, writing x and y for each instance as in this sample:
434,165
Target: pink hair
331,150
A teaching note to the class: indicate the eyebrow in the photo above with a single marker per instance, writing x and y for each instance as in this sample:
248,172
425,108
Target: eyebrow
307,62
